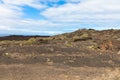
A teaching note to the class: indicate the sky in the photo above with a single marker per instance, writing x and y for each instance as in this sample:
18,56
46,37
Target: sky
51,17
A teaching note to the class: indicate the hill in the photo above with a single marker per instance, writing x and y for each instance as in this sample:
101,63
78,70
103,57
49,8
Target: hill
85,54
93,43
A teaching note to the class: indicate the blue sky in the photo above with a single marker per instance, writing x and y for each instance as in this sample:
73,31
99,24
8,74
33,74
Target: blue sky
51,17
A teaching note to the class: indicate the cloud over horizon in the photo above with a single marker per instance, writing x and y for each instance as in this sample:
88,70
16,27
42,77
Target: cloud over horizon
49,17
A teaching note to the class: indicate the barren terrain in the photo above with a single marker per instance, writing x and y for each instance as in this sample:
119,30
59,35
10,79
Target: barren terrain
80,55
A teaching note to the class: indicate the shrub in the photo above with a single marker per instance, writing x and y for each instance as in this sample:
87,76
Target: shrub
83,37
31,41
93,47
68,44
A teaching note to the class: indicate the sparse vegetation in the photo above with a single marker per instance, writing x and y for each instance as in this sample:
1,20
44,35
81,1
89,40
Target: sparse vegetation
68,44
30,41
82,49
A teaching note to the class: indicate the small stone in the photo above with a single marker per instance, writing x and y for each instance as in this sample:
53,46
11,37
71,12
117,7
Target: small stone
118,52
6,54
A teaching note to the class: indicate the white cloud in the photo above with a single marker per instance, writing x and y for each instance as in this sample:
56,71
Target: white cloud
74,1
11,20
89,10
29,26
8,11
31,3
5,28
67,17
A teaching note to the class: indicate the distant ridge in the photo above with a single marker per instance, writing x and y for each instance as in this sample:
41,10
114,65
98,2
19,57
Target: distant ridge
91,33
19,37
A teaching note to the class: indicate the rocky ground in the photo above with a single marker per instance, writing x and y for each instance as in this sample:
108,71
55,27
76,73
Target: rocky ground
45,72
80,55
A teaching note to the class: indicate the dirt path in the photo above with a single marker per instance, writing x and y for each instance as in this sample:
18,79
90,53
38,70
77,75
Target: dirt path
45,72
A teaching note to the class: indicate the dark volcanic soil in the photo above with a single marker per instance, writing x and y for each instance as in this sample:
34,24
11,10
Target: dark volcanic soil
82,50
68,56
